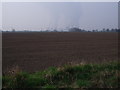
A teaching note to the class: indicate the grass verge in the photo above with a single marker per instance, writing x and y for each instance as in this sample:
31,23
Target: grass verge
69,76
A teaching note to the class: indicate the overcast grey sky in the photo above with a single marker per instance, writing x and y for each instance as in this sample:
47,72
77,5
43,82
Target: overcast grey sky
58,15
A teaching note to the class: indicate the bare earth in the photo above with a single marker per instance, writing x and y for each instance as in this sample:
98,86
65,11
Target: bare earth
34,51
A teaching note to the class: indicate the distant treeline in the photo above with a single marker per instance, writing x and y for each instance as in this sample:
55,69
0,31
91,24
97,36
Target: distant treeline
103,30
69,30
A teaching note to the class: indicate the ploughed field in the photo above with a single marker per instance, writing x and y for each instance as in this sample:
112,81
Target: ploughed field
35,51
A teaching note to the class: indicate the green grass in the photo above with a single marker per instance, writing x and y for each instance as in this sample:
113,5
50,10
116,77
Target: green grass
69,76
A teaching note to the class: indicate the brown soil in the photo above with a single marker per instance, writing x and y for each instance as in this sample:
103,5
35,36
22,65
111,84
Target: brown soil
34,51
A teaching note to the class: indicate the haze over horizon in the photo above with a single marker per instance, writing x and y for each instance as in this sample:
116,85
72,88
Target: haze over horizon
59,15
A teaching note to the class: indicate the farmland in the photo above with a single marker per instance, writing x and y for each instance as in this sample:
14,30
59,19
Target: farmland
36,51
